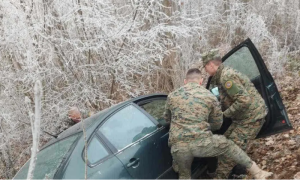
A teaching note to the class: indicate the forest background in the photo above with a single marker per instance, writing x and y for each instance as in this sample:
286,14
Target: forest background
94,54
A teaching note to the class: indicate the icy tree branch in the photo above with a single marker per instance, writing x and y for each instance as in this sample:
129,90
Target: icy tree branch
35,127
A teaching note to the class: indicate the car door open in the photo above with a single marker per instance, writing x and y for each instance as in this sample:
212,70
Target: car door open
246,59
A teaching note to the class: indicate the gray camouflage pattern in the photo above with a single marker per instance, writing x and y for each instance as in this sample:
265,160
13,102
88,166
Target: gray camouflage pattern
242,103
193,112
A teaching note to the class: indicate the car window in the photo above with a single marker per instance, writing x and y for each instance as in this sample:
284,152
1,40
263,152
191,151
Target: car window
243,61
156,109
127,126
96,151
48,160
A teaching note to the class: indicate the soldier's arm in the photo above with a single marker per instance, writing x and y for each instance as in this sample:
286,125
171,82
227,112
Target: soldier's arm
216,116
238,93
167,113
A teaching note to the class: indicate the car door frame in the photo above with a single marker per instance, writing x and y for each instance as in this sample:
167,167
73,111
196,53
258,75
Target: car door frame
164,128
200,167
110,153
107,143
114,151
112,148
265,76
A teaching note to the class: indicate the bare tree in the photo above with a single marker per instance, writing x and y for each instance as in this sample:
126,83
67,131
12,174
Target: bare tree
35,124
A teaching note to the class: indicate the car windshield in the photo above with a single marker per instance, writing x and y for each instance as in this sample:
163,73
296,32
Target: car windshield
48,160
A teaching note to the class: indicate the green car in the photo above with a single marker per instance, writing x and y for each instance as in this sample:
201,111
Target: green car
130,140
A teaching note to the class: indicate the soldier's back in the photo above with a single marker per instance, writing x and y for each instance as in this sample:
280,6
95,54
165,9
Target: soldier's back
190,106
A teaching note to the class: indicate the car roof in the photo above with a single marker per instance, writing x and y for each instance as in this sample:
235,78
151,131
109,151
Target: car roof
99,117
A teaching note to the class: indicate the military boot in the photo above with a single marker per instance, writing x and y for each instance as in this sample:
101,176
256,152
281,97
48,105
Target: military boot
259,173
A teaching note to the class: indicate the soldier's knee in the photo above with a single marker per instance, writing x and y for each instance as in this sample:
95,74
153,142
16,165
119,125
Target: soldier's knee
223,142
230,142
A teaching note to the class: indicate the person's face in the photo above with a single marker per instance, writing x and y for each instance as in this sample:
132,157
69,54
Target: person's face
74,115
210,68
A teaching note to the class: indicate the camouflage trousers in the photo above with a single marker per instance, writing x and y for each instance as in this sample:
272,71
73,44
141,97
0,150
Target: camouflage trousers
240,135
183,153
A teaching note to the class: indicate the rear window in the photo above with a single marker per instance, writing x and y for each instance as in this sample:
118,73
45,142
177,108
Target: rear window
243,61
156,109
48,160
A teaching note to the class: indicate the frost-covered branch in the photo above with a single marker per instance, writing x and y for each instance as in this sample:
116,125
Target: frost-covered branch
35,127
94,54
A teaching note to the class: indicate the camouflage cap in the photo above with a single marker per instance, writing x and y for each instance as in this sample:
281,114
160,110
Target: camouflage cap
210,55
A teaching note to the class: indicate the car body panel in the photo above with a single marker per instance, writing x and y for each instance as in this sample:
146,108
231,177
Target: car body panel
118,170
144,152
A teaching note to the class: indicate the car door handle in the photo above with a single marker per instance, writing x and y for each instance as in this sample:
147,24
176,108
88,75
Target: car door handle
133,162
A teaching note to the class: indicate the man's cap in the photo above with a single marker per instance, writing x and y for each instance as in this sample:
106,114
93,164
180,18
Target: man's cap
210,55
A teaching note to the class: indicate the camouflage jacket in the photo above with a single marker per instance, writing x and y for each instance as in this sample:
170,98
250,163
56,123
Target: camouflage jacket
239,98
193,112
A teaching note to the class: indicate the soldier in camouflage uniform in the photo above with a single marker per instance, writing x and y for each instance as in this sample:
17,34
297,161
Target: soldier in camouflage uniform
74,116
240,101
193,112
